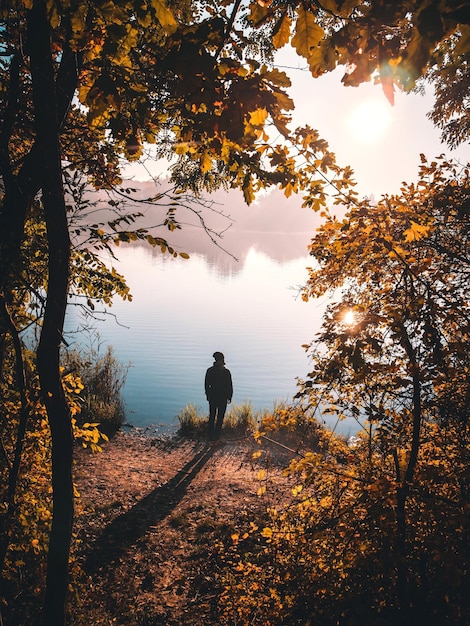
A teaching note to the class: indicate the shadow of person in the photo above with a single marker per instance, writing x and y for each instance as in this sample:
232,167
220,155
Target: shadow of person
129,527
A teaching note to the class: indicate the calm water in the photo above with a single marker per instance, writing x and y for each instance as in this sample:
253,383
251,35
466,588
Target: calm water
184,310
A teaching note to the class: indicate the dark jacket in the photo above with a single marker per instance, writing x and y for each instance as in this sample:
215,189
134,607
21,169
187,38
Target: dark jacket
218,383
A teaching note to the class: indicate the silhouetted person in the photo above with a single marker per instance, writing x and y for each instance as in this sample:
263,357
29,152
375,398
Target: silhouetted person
219,391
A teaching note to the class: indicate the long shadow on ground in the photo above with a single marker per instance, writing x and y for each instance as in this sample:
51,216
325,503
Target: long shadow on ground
126,529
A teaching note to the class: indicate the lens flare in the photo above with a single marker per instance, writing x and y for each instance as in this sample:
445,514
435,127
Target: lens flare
349,318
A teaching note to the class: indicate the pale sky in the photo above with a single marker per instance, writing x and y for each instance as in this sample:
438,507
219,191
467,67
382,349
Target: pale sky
382,143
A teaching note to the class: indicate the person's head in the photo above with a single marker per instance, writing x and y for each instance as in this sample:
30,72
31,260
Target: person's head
219,358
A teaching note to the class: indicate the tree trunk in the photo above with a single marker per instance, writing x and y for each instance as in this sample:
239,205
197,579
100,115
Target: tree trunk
14,466
48,361
21,188
403,489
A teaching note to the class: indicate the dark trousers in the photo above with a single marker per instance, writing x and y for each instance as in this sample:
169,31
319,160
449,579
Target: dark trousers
217,410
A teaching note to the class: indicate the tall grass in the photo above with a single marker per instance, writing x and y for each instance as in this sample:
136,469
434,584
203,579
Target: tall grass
191,420
239,420
103,377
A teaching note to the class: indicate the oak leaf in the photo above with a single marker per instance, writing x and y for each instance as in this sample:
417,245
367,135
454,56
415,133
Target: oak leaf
281,33
416,231
308,33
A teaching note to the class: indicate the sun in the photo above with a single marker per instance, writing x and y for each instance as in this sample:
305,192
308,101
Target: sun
369,120
349,317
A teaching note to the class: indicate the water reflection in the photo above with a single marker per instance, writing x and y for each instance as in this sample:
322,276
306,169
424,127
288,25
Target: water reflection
182,311
244,304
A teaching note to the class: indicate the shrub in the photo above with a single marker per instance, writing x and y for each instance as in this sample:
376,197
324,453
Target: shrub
103,377
239,418
291,424
26,514
191,421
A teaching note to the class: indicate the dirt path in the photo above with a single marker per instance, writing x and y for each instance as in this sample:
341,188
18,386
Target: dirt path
149,513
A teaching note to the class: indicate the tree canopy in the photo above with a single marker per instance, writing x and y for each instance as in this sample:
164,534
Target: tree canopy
375,530
88,84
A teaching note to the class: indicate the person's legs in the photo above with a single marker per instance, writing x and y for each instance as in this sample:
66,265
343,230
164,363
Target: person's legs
221,408
212,412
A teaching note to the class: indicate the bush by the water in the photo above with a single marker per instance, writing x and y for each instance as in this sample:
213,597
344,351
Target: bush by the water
284,423
239,419
103,377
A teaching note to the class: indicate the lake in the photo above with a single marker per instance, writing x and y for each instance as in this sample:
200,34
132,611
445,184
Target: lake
184,310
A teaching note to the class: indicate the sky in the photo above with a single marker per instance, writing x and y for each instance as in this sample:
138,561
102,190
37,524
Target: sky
381,142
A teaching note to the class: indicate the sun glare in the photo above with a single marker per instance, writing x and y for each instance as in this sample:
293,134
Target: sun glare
349,318
369,120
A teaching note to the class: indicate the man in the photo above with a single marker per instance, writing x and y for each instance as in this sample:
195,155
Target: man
219,391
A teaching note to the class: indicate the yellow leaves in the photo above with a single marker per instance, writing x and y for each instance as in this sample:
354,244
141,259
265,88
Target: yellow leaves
205,161
112,14
226,150
254,125
398,251
284,102
225,68
181,148
258,13
144,18
279,78
165,16
257,435
236,538
308,33
262,476
89,435
267,532
326,162
52,13
247,188
198,108
417,231
72,383
290,188
322,59
326,502
281,33
258,117
316,204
